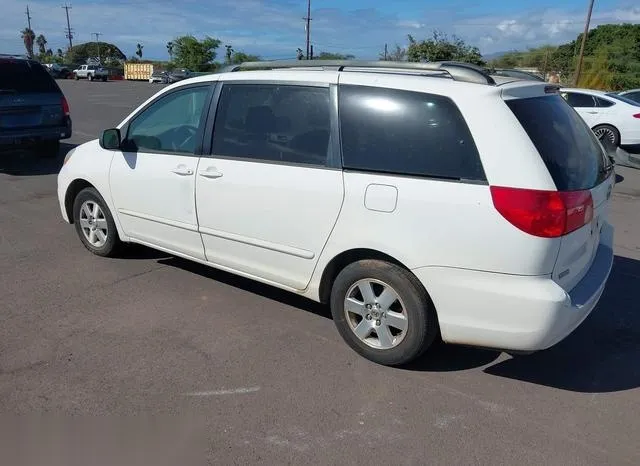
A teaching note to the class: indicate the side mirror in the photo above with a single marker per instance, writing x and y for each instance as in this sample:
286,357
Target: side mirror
110,139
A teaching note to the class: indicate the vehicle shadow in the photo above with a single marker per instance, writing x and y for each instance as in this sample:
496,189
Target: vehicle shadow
260,289
27,162
602,355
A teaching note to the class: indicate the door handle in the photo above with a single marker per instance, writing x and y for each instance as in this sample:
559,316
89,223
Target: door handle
593,113
211,172
182,170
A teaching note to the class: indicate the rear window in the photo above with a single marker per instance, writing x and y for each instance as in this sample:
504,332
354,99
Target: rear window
21,76
568,147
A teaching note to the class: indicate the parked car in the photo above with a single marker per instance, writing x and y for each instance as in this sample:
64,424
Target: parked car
611,116
633,94
91,72
159,77
59,71
33,110
387,196
179,75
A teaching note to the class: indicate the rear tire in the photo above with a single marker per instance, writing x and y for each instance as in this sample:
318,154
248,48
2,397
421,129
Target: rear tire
94,224
383,312
49,149
90,77
77,78
104,79
608,133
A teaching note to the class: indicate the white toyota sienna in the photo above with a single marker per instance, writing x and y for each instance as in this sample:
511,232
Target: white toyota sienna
419,201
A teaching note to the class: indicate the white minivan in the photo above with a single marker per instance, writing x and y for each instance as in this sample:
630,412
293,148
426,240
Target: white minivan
419,201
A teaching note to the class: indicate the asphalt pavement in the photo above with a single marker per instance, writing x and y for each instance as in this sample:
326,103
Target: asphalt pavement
181,364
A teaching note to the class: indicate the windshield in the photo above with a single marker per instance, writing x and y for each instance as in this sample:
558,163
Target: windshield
574,157
22,76
623,99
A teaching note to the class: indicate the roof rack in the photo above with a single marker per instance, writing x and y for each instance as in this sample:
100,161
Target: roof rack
457,71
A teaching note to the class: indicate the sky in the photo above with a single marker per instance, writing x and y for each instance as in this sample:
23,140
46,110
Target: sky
274,29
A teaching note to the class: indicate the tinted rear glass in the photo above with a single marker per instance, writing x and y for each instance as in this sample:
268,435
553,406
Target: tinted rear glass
20,77
567,145
408,133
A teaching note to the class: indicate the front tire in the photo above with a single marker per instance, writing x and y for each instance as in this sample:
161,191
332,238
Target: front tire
383,312
94,224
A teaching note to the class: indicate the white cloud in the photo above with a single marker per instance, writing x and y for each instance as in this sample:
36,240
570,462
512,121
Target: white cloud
276,29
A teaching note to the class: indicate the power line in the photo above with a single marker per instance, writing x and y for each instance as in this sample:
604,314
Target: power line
69,31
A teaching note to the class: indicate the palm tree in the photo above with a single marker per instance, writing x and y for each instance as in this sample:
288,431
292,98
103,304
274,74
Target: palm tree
170,49
139,50
42,44
28,37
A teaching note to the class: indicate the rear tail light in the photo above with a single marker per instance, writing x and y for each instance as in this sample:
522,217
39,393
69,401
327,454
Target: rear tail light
546,214
65,106
637,115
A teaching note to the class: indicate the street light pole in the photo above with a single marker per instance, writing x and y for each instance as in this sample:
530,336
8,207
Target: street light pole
584,40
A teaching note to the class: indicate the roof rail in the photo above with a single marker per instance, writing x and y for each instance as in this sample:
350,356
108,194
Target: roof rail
458,71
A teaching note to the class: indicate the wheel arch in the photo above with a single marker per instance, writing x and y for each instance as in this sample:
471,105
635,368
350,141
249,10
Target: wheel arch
74,188
339,262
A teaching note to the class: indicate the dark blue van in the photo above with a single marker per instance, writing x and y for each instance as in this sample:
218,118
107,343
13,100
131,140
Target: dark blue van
33,110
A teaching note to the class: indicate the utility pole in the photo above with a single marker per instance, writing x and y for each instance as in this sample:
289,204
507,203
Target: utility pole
584,40
28,17
69,32
385,52
97,34
311,55
308,27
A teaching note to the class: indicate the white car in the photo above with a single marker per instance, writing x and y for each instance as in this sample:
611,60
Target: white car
416,206
611,116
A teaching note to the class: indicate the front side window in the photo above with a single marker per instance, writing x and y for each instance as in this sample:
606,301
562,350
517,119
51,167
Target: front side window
170,124
274,123
404,132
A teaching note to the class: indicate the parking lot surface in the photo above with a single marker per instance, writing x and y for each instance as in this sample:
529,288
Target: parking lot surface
240,373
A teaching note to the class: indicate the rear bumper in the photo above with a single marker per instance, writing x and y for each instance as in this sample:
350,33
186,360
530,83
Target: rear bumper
33,135
630,138
511,312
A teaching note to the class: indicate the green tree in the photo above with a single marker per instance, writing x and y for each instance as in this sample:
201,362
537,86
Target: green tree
194,54
41,41
228,53
241,57
333,56
81,52
28,38
440,48
139,50
611,58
